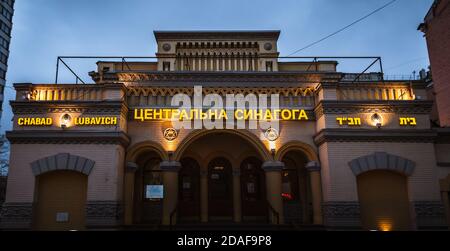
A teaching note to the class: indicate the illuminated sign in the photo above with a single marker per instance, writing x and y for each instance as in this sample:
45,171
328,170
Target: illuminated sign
408,121
238,114
87,121
348,121
66,120
35,121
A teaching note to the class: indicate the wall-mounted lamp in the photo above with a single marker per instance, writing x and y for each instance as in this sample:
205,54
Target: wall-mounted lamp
65,120
376,120
272,147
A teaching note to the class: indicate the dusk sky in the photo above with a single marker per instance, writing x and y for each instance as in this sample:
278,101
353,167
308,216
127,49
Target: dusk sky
45,29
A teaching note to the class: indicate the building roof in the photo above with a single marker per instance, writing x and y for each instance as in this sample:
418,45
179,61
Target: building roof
217,34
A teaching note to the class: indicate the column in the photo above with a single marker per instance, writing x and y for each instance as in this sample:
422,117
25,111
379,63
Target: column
237,202
273,188
170,181
203,196
313,168
130,171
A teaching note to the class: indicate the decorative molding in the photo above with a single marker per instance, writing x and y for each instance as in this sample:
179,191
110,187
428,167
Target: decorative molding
379,106
220,90
313,166
273,166
443,135
62,161
85,107
131,167
216,35
375,135
254,78
67,137
429,214
382,161
170,166
16,216
342,214
104,213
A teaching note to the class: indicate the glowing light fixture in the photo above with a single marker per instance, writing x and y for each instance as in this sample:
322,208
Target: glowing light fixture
65,120
376,119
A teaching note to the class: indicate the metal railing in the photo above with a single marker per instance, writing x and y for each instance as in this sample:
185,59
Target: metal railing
124,61
172,217
274,214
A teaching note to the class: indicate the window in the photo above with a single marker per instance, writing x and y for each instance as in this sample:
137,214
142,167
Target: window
3,58
5,28
2,74
8,2
6,13
166,66
269,66
4,43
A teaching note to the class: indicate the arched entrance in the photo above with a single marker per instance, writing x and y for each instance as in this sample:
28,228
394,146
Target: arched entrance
220,190
253,187
189,191
220,161
383,198
60,201
296,190
147,180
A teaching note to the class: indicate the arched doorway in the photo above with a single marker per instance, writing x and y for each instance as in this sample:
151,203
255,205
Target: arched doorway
220,190
296,190
148,180
189,191
253,190
383,198
60,201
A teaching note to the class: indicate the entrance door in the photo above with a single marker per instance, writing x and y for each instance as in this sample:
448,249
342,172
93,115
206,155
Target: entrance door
383,198
253,183
220,190
61,201
189,190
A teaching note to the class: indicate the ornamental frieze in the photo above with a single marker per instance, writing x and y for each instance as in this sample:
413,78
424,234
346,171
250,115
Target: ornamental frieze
94,108
399,107
171,91
216,77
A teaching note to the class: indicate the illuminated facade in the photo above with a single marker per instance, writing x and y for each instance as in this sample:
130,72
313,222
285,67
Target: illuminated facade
348,154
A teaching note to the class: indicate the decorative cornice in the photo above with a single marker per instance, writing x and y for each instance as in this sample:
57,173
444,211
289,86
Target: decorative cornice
224,78
232,34
382,106
85,107
375,135
443,135
67,137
